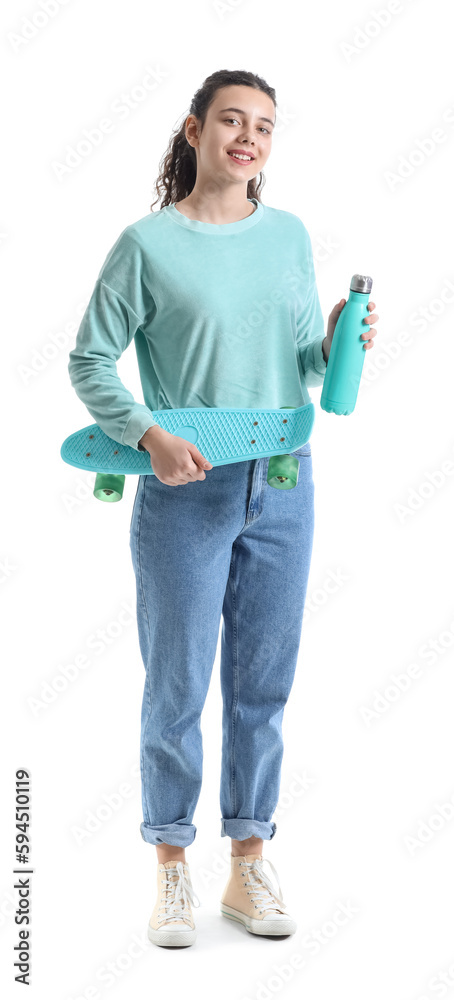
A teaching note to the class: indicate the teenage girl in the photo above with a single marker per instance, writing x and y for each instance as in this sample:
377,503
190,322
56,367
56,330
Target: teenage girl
218,293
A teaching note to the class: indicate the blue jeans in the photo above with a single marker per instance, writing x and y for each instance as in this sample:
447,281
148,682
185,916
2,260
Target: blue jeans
227,545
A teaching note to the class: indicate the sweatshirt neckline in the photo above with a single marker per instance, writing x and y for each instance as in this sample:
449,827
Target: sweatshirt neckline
215,229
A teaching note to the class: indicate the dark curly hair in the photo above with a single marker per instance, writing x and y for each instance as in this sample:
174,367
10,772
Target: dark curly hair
178,166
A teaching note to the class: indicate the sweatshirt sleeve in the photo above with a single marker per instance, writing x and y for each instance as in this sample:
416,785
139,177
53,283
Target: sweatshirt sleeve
118,306
310,326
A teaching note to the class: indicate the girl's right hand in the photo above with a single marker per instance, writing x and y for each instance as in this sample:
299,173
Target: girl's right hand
174,460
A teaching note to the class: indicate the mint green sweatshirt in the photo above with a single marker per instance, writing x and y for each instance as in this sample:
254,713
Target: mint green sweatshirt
221,316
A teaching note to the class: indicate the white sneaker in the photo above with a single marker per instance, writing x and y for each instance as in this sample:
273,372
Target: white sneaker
171,922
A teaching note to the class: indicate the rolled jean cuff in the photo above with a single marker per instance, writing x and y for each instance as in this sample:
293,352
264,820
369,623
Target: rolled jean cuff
176,834
242,829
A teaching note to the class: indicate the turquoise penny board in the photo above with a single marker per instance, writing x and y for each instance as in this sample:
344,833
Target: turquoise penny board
222,435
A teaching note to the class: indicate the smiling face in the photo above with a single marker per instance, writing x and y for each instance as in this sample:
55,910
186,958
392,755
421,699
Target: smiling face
239,118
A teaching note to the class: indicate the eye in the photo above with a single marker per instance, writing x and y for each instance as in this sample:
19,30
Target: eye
261,127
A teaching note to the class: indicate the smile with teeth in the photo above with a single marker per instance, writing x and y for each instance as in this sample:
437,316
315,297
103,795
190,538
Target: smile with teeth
242,156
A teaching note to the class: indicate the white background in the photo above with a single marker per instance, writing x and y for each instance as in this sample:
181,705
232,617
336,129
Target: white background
360,820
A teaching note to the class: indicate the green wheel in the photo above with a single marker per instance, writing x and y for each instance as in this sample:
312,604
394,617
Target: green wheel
108,487
283,472
283,469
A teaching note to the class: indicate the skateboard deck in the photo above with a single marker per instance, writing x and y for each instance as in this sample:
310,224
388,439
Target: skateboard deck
221,435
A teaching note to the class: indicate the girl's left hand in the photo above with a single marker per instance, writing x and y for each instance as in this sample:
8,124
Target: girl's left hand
334,316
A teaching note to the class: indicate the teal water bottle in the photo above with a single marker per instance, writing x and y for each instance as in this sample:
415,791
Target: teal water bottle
346,356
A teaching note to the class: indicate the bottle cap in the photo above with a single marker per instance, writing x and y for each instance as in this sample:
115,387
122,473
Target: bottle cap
361,283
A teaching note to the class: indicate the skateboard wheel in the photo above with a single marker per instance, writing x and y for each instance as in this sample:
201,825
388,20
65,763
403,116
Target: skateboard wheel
108,487
283,472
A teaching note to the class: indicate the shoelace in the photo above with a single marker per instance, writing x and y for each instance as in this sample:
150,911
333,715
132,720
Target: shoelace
178,893
263,888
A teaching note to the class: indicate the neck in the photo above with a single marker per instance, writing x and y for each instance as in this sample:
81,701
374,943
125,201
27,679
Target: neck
221,206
